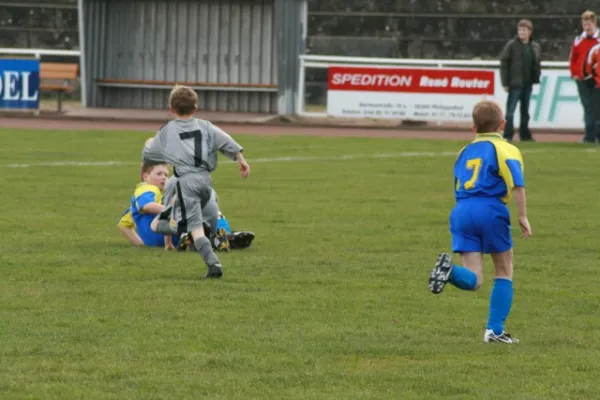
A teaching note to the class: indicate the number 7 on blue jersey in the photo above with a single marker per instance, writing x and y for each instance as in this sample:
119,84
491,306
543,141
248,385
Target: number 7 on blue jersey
474,165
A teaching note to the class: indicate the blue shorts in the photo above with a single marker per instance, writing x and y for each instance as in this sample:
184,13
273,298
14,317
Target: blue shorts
148,236
480,225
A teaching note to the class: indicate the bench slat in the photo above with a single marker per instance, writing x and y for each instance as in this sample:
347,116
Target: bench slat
56,88
173,83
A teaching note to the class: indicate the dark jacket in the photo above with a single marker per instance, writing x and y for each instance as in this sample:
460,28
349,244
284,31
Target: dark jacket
512,69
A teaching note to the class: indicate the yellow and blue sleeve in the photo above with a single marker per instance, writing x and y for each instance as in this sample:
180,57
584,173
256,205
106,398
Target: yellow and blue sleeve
145,194
126,220
510,165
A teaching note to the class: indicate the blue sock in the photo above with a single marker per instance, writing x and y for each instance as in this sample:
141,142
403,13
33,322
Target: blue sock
500,303
463,278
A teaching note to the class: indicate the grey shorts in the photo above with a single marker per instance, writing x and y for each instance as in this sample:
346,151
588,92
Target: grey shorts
196,202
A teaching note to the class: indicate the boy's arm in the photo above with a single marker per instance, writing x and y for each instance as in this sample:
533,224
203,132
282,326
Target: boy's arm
146,202
131,235
505,64
153,208
225,143
520,200
153,149
516,167
169,243
231,149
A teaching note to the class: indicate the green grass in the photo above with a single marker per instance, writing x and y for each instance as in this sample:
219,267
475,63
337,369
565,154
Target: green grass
331,301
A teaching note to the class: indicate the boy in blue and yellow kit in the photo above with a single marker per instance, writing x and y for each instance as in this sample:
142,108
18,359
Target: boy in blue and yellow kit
487,173
135,223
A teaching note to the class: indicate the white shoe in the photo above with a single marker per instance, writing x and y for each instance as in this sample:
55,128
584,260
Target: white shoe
490,337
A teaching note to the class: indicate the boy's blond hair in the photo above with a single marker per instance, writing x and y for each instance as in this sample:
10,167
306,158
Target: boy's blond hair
487,116
183,100
588,16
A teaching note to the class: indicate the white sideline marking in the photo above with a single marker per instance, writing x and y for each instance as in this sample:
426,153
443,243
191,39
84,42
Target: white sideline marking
72,164
342,157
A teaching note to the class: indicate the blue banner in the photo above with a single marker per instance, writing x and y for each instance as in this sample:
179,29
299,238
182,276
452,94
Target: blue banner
19,84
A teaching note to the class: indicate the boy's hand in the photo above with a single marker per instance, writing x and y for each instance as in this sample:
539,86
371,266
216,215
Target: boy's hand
244,168
525,227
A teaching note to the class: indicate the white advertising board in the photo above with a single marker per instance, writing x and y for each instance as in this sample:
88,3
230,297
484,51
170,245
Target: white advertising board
442,94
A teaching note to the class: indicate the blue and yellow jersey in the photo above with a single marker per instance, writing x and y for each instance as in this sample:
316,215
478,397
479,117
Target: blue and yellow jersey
488,167
126,219
145,193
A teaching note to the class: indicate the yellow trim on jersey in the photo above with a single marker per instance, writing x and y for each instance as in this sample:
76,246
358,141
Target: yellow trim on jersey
504,152
126,220
144,187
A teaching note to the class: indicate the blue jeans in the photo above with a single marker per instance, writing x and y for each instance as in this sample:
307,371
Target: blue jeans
586,89
520,95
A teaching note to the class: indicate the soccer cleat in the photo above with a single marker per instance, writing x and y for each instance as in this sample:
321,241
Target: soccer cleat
490,337
441,273
185,240
240,240
220,241
214,272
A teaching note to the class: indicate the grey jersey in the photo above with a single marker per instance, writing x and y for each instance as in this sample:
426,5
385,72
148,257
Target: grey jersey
190,146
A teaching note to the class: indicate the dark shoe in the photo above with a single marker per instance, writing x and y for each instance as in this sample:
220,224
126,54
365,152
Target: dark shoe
441,273
214,272
220,241
240,240
490,337
185,240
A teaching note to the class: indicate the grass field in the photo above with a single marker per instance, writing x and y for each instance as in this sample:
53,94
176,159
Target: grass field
331,302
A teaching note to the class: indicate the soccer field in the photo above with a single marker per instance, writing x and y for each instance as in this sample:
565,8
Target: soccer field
330,302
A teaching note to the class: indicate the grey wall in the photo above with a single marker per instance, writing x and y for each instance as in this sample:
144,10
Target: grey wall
291,22
205,41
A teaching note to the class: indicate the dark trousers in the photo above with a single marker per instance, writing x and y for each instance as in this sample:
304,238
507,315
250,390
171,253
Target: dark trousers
520,95
595,100
587,95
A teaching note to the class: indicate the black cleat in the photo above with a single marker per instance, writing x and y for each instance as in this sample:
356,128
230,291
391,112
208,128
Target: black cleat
441,273
185,241
240,240
214,272
490,337
220,241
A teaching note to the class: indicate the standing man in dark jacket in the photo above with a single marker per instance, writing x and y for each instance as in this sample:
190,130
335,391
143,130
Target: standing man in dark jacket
520,69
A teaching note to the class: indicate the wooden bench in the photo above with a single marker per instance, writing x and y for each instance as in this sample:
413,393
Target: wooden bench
151,84
58,77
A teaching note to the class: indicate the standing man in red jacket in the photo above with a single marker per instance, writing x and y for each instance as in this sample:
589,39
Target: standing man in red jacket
585,84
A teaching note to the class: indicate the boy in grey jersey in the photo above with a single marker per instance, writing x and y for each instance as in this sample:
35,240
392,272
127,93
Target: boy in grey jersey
190,145
216,226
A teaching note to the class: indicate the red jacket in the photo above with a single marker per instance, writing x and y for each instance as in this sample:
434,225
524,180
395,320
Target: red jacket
592,64
579,52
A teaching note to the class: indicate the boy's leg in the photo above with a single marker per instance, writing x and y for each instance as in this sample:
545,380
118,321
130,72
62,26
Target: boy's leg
500,299
192,195
210,213
524,100
511,105
584,88
595,98
469,276
497,241
466,242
